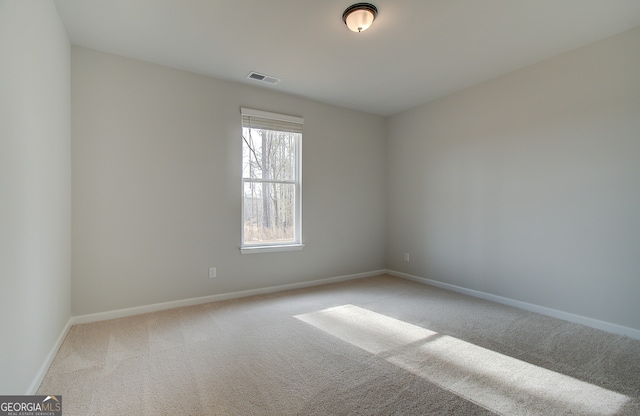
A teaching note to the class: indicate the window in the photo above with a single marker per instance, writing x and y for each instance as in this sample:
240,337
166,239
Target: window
271,181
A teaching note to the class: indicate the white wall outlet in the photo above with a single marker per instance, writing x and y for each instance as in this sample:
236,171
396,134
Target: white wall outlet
212,272
406,256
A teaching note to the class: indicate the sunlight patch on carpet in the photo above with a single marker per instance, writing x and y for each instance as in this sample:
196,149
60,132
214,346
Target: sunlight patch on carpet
498,382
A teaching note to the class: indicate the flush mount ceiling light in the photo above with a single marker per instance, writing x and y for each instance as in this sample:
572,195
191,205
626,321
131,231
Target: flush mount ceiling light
359,16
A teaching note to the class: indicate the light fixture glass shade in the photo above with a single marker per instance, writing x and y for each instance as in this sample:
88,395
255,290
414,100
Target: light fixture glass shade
359,16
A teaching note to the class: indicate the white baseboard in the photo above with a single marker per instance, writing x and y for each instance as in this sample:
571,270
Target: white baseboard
37,380
578,319
120,313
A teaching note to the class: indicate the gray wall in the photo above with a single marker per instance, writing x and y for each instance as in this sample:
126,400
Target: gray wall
35,187
156,158
528,186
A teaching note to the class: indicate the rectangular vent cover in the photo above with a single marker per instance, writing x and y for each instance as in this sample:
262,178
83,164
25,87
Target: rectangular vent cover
263,78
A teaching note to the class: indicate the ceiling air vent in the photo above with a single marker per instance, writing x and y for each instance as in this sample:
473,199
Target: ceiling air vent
263,78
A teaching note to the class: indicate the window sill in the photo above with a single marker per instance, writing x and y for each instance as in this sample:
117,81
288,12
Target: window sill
270,249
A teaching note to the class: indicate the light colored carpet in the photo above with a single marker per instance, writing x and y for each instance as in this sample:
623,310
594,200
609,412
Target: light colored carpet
376,346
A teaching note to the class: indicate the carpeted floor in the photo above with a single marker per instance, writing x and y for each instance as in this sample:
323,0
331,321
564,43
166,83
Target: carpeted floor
375,346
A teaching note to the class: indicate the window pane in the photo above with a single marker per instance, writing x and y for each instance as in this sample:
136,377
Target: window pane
268,154
269,213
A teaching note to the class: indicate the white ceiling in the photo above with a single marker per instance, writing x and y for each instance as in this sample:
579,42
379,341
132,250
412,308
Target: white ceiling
416,50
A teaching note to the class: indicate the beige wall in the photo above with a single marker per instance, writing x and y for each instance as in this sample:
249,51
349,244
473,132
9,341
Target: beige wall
528,186
35,189
156,186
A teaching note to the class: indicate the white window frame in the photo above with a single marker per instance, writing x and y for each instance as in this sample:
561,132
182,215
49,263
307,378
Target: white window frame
297,244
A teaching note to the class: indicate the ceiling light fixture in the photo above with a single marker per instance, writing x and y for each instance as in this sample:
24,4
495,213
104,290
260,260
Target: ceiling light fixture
359,16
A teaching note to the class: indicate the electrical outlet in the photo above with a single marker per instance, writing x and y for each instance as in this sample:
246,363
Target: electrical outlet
212,272
406,256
